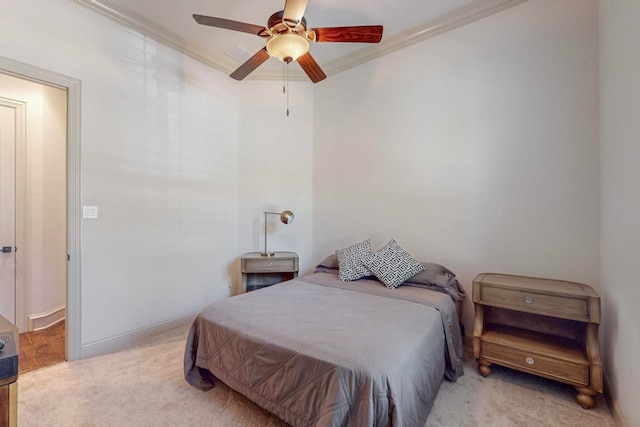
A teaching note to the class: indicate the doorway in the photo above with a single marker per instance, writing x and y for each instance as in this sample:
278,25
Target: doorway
61,262
33,234
11,114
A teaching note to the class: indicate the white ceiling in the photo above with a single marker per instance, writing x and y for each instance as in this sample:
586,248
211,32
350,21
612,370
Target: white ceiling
405,22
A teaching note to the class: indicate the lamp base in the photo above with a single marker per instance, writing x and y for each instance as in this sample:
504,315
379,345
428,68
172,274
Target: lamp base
267,254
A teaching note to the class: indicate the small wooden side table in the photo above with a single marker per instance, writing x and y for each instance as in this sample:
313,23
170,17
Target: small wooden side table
544,327
260,271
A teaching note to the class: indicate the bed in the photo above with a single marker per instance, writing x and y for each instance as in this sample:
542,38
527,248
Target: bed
318,351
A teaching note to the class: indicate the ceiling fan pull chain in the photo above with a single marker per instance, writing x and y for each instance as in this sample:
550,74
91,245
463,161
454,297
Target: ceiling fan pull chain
285,82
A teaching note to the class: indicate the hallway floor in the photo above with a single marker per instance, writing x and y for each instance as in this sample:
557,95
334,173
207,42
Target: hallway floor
41,348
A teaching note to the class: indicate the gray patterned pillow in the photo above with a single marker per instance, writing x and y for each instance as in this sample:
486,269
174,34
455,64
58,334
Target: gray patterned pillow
350,261
392,264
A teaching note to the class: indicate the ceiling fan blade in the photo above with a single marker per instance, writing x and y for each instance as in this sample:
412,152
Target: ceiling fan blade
228,24
361,34
252,63
294,11
311,67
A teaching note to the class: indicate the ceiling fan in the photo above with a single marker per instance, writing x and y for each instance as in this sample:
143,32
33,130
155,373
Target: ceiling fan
288,38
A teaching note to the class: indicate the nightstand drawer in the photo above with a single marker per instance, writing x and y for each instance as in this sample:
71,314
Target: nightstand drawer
266,265
574,373
532,302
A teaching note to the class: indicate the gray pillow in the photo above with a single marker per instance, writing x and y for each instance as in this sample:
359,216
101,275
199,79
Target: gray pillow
392,264
330,262
350,261
433,274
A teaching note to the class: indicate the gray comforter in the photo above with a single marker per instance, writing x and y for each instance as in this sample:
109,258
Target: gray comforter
319,352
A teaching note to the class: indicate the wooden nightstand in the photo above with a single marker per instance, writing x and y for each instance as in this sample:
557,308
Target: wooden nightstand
540,326
259,272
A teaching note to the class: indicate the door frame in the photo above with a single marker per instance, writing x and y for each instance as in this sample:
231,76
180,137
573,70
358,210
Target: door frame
73,88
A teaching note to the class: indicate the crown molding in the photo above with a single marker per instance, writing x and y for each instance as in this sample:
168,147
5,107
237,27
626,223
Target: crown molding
457,18
472,12
158,33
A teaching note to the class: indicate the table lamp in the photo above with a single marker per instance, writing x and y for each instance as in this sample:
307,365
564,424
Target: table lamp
286,217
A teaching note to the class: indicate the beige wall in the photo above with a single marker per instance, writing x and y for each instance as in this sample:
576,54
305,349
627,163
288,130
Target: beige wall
476,149
161,145
43,259
620,182
276,167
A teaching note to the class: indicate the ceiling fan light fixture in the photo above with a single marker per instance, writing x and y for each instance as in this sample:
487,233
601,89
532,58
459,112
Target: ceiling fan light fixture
287,47
287,38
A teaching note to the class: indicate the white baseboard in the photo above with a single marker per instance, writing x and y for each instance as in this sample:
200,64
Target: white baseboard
612,400
40,321
125,341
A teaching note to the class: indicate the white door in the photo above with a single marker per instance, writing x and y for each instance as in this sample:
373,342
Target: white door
7,213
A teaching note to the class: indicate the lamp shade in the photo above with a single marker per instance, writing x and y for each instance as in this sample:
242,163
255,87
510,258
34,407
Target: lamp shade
286,217
287,47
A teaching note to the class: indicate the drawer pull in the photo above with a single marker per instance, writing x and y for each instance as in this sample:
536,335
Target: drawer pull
270,264
528,300
529,360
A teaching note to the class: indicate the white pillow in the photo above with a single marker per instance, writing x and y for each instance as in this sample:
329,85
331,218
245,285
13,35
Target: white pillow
392,264
350,266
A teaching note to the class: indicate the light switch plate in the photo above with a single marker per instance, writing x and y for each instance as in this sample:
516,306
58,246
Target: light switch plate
90,212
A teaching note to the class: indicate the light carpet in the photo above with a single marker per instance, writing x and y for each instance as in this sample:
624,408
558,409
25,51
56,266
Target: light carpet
144,386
